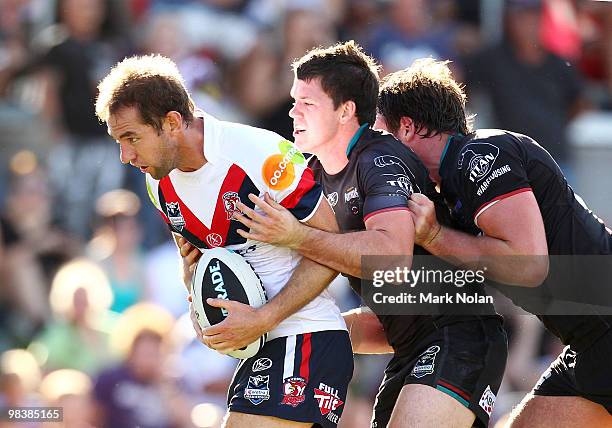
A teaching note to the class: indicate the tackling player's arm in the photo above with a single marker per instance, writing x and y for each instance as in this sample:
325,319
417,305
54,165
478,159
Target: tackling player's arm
513,245
387,233
389,229
245,324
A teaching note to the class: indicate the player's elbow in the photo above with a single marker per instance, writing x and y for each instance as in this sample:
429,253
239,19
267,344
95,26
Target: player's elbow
535,271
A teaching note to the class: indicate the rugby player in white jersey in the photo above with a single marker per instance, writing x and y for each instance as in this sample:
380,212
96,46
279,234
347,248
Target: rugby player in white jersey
198,169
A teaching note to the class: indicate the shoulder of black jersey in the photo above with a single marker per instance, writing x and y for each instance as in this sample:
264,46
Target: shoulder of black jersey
497,137
370,138
483,142
379,143
375,141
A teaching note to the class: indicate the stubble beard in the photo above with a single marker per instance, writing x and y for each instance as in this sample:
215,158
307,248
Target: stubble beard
167,160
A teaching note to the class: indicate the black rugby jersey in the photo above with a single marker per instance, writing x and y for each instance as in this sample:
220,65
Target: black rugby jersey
488,165
380,176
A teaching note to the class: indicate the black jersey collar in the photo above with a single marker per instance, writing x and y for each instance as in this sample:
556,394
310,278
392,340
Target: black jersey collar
355,138
448,154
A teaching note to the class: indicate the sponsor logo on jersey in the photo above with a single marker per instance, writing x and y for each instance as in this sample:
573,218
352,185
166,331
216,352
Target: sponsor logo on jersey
350,194
487,400
293,391
328,400
425,365
404,183
400,180
230,201
261,364
332,198
494,174
258,389
477,160
214,240
175,216
278,170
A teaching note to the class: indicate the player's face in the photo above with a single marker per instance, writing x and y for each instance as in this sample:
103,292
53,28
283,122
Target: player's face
141,145
315,121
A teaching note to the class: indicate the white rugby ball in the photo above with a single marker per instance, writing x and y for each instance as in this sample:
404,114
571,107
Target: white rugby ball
223,274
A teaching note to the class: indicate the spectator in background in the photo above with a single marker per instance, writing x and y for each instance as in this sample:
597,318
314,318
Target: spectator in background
116,247
596,60
33,250
265,78
77,336
532,91
73,55
70,390
200,65
137,391
19,379
411,31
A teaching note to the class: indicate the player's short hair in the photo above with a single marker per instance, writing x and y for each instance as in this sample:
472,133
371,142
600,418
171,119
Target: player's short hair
346,73
151,83
427,93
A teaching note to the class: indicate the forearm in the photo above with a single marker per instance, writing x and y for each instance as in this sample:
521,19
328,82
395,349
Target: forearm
366,332
501,261
343,252
308,280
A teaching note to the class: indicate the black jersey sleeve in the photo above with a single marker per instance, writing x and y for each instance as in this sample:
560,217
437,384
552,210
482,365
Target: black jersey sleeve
387,181
489,170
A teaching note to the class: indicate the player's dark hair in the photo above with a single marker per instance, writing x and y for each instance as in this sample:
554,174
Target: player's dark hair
150,83
346,73
427,93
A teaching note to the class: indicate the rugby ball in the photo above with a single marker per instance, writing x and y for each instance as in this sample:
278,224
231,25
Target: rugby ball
223,274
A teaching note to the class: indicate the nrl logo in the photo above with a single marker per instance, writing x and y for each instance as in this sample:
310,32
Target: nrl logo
175,216
230,203
425,365
257,389
332,198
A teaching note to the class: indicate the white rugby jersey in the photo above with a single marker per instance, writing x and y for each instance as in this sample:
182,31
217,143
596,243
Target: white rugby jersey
240,160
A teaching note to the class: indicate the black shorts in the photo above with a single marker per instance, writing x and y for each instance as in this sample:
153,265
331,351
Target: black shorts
465,360
300,378
586,374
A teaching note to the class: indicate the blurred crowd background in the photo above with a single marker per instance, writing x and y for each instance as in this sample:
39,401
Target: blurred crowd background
92,310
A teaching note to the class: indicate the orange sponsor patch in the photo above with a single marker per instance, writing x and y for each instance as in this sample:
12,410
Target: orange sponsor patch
278,170
278,173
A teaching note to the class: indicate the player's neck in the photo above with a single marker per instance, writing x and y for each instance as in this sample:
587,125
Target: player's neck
432,157
333,155
191,148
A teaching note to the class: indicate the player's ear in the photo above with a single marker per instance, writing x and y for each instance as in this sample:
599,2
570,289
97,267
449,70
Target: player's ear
348,111
406,129
173,120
